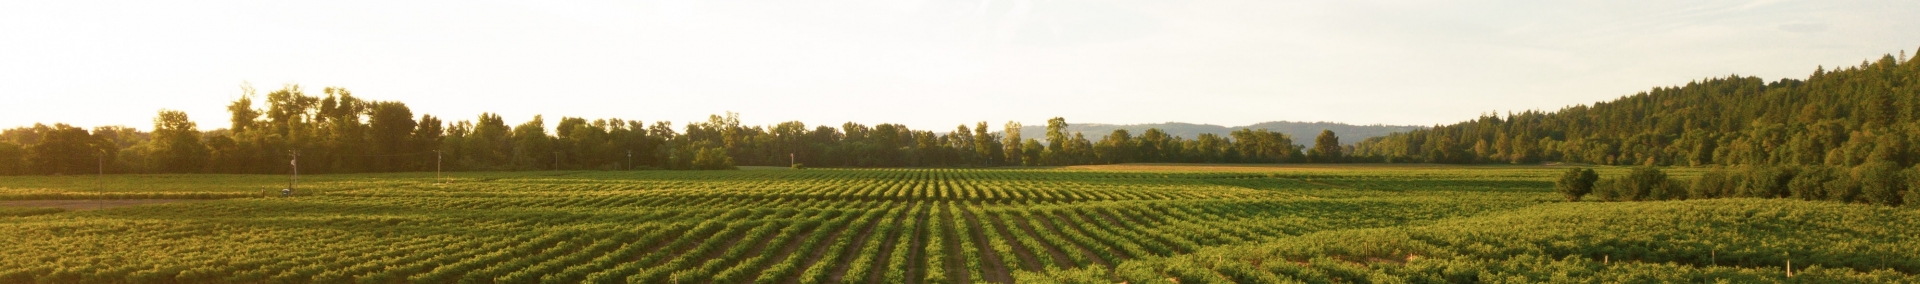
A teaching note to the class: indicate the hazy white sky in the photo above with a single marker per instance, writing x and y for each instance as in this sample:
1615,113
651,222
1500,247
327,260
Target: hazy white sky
926,64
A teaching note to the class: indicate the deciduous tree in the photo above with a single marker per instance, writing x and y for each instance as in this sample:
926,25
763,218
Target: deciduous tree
1326,148
176,143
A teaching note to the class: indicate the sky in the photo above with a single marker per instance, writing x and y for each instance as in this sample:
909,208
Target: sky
924,64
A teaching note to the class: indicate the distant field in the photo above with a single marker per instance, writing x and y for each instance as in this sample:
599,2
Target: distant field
1149,223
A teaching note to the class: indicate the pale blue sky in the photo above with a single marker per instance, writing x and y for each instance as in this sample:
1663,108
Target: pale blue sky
927,64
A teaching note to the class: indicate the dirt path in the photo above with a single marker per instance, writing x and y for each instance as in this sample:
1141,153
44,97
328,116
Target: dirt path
1026,255
798,238
1065,223
995,270
1039,222
916,252
820,251
950,241
887,243
1144,237
1022,225
839,271
83,204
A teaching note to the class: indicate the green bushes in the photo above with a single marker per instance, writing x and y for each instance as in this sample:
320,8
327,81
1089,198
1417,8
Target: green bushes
1843,189
713,159
1765,181
28,211
1704,241
1878,183
1606,190
1643,183
1576,182
1715,183
1812,183
1419,225
1913,187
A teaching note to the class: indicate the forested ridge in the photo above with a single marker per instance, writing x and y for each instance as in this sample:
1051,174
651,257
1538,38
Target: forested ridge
1844,117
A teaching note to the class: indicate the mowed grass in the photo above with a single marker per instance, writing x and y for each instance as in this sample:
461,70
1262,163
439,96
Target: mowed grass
1134,223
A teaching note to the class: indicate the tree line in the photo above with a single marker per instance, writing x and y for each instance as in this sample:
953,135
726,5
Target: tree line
337,132
1843,135
1844,117
1848,117
1874,183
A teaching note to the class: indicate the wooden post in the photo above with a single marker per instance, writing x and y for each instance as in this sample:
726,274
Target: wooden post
1789,264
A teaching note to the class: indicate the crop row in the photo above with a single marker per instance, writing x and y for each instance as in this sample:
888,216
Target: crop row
886,242
833,226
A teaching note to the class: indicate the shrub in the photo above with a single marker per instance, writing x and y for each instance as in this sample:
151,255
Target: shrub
1576,182
1765,181
1843,190
1913,187
1880,183
799,166
713,159
1713,184
1645,183
1607,190
1811,183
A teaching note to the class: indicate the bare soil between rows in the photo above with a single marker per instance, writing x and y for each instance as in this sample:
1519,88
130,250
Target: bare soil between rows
85,204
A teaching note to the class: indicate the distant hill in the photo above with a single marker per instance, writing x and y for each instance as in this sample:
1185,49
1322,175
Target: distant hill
1302,132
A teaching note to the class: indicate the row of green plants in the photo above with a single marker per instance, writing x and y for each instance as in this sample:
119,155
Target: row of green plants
1873,183
27,211
697,256
1696,241
743,226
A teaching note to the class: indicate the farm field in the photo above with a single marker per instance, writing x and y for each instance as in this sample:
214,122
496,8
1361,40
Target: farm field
1086,224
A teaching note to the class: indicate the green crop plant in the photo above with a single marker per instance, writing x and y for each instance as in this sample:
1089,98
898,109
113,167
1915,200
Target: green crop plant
821,225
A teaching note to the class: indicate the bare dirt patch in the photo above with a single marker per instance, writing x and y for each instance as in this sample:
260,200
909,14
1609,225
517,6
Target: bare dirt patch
83,205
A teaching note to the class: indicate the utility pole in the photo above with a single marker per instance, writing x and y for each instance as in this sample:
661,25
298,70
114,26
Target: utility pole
295,180
790,160
556,160
100,181
629,159
436,167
